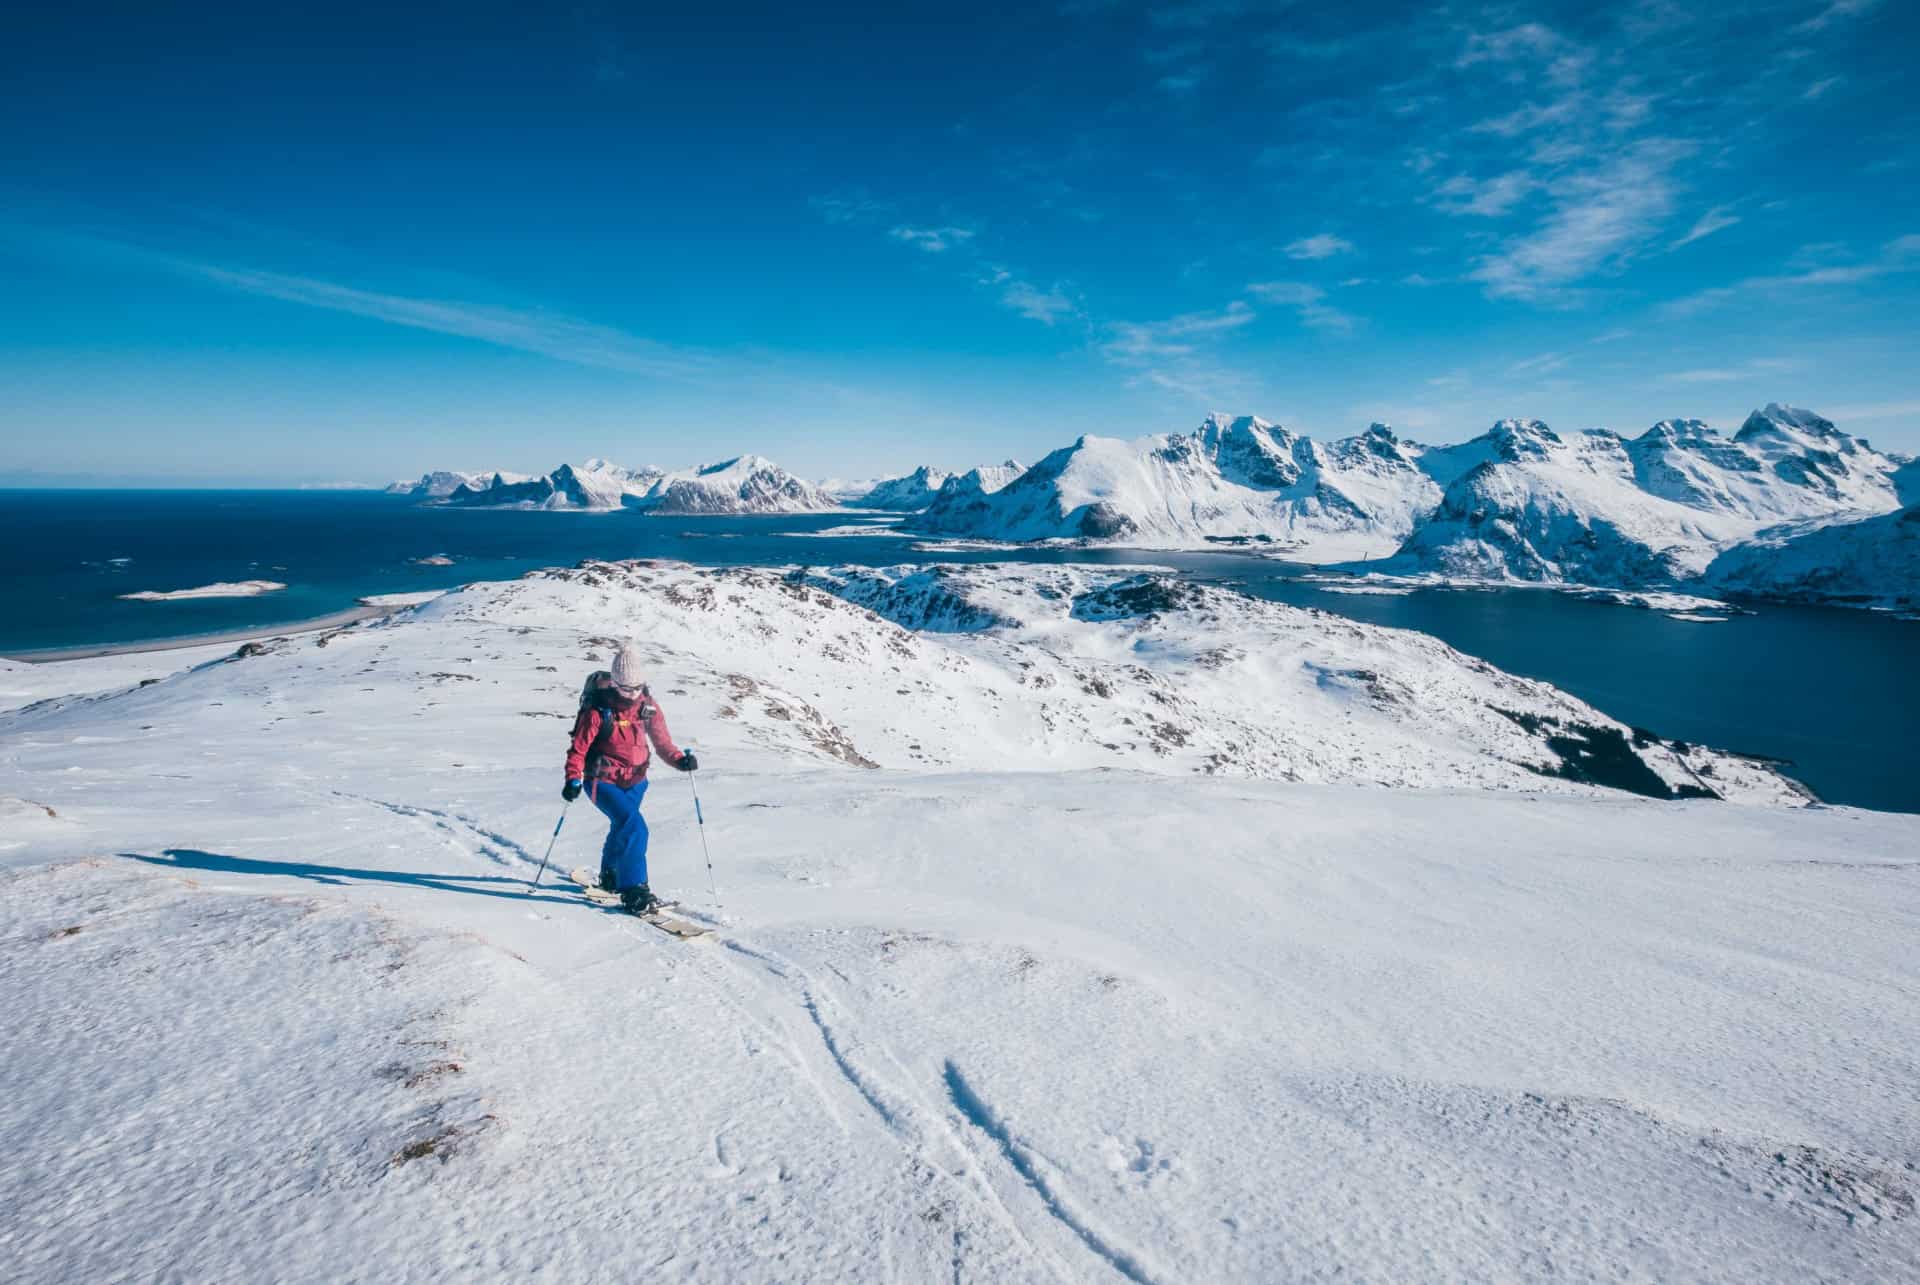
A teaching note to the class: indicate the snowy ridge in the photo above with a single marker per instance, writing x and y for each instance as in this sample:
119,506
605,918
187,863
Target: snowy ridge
1594,508
1011,1015
1074,667
746,484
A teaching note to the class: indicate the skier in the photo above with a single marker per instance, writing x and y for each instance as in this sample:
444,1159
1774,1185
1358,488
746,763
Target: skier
608,758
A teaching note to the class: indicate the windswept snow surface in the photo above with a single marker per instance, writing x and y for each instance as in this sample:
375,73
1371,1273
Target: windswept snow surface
1013,1005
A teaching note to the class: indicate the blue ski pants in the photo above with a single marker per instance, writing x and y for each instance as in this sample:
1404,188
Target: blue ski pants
625,851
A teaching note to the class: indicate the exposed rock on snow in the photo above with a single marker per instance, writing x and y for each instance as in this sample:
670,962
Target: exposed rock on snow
223,589
747,484
1874,562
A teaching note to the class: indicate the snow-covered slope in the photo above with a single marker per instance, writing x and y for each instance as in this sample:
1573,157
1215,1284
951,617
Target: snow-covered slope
1068,666
1594,508
747,484
1229,478
995,1010
1874,562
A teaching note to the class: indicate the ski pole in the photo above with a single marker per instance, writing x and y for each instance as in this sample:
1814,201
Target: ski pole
704,850
550,842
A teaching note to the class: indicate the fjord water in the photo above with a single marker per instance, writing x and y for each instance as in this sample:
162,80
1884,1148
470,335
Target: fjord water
1835,693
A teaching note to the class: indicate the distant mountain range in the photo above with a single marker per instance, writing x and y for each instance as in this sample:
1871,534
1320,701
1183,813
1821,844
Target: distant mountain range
747,484
1754,512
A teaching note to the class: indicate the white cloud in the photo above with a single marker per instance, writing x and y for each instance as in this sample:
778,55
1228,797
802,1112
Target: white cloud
1540,365
932,240
1490,198
1877,410
1174,337
551,335
1046,306
1754,369
1902,254
1715,220
1600,218
1323,246
1309,301
1819,88
1834,12
848,207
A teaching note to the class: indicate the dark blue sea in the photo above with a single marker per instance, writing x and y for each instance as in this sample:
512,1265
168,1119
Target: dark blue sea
1835,693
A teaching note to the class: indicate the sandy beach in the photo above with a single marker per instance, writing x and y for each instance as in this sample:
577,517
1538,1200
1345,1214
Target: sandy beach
333,621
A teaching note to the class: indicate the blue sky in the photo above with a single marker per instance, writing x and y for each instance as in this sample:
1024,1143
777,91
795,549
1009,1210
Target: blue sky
255,244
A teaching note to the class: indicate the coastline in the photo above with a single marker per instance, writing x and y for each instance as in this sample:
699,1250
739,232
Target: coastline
333,620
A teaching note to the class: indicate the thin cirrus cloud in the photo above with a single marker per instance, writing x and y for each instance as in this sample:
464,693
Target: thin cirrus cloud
1309,301
583,343
1323,246
1046,306
1902,254
932,240
1715,220
1599,219
549,334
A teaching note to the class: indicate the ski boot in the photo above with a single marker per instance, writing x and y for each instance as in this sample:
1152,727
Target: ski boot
606,881
639,900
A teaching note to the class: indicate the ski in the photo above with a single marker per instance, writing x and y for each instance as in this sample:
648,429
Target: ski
589,885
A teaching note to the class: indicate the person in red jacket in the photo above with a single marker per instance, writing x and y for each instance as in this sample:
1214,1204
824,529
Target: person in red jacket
608,758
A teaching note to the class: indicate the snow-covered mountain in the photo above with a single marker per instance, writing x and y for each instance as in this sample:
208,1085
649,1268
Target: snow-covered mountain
1596,508
438,485
903,494
1872,562
1084,945
1242,477
926,485
747,484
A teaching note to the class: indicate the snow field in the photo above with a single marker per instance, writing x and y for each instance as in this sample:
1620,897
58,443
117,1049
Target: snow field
1020,1008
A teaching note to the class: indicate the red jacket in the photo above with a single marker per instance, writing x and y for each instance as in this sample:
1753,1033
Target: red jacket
610,740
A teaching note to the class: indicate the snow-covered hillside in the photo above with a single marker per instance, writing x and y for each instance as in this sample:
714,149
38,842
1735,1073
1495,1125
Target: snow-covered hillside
1229,478
1874,562
1037,999
1594,508
747,484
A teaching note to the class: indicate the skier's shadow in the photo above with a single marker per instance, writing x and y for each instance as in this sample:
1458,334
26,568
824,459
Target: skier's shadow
221,863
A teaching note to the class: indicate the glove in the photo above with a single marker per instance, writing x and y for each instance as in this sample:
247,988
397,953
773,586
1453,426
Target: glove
570,791
687,761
